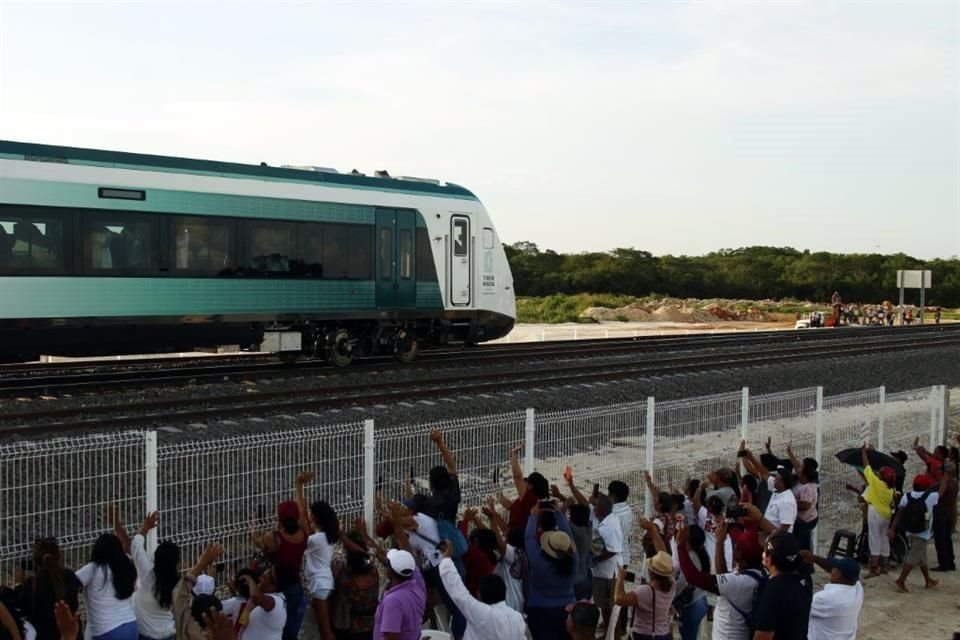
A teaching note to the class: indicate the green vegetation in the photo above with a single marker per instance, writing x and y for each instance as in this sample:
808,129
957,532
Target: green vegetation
751,273
565,308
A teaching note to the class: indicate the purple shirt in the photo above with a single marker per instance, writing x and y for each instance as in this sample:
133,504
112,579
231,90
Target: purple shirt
401,609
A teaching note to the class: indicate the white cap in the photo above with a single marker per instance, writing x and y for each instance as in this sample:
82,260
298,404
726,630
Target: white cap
205,585
401,562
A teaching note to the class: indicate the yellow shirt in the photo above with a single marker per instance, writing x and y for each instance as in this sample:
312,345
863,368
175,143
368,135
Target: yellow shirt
878,494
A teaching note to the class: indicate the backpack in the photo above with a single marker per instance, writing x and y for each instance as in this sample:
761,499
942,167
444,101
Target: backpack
761,577
916,518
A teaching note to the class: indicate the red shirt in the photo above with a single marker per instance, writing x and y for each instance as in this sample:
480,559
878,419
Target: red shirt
934,466
520,510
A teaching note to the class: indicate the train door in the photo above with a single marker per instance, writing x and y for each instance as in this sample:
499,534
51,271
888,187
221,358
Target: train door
396,249
459,260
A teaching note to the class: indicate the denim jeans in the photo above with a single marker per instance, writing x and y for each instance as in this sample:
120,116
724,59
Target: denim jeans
690,618
126,631
296,607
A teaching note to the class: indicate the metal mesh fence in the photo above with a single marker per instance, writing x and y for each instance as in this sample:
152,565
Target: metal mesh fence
601,444
907,416
217,490
480,445
61,488
694,437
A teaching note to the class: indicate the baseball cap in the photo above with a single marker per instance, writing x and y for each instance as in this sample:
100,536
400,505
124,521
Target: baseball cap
888,475
848,567
401,562
288,510
747,542
923,482
205,585
584,613
784,550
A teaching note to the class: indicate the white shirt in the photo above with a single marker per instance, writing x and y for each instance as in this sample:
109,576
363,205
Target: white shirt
232,607
609,530
484,621
932,501
153,620
835,612
316,562
510,570
267,625
104,610
782,509
624,514
425,540
708,522
738,589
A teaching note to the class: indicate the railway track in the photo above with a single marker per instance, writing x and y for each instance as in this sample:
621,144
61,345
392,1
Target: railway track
181,410
41,381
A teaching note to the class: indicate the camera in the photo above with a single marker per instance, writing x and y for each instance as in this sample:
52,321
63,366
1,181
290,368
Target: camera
736,512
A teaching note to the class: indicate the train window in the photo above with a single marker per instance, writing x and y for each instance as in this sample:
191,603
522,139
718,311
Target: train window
386,253
30,241
426,269
406,254
202,245
360,257
309,260
460,238
269,246
118,242
335,251
487,238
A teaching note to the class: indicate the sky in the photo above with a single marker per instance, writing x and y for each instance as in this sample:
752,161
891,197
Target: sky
676,128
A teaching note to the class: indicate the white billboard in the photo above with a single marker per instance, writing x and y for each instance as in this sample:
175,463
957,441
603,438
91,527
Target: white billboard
911,279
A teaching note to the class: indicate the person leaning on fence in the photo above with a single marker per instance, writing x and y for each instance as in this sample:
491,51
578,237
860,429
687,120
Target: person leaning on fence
736,589
158,576
806,491
652,600
50,583
879,499
285,546
530,490
109,580
835,610
916,515
488,616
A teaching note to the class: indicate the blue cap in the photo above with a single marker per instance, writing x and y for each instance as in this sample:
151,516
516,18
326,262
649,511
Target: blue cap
848,567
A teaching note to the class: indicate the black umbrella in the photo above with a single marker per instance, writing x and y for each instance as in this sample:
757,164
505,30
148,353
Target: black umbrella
877,460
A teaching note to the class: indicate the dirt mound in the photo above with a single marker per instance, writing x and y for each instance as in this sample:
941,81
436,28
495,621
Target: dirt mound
629,313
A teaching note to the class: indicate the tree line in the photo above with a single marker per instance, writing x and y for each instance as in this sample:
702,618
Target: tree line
750,273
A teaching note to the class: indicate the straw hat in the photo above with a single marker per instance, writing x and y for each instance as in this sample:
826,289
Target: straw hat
555,544
661,564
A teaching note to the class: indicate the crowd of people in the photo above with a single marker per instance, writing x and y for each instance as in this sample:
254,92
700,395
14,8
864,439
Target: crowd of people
551,563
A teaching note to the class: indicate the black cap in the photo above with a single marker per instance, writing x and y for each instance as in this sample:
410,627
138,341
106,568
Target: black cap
784,550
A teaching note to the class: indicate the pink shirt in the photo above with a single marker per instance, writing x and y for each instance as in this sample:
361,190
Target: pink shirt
806,492
652,615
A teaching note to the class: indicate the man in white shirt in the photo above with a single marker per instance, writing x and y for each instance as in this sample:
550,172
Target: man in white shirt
782,509
607,550
926,495
835,610
619,492
488,618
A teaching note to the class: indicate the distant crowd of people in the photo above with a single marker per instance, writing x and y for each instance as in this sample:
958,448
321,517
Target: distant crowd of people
551,563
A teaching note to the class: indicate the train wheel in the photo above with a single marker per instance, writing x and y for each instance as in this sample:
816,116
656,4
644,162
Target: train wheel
406,346
339,350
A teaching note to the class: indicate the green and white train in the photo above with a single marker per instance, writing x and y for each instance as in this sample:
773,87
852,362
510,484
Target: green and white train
105,252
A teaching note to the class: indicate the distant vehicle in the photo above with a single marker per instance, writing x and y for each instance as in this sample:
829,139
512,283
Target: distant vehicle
105,252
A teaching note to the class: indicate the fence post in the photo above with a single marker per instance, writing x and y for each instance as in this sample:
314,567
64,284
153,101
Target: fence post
744,419
818,454
530,439
651,442
934,401
880,430
150,470
944,413
369,453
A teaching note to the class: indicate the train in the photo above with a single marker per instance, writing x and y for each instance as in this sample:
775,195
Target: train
109,252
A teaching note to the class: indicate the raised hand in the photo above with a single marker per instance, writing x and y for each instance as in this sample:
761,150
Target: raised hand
68,622
306,476
219,626
436,436
150,522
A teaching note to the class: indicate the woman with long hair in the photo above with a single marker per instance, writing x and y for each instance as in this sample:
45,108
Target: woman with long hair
318,566
108,583
357,591
553,571
49,584
158,576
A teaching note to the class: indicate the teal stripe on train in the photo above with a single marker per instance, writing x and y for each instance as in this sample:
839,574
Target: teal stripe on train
70,194
428,296
57,297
